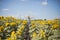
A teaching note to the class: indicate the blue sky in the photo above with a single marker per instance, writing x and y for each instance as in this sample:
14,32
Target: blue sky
39,9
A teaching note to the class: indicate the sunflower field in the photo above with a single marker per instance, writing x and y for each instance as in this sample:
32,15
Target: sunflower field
16,29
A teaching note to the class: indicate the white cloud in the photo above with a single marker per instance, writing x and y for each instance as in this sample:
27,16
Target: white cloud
5,9
23,0
44,3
